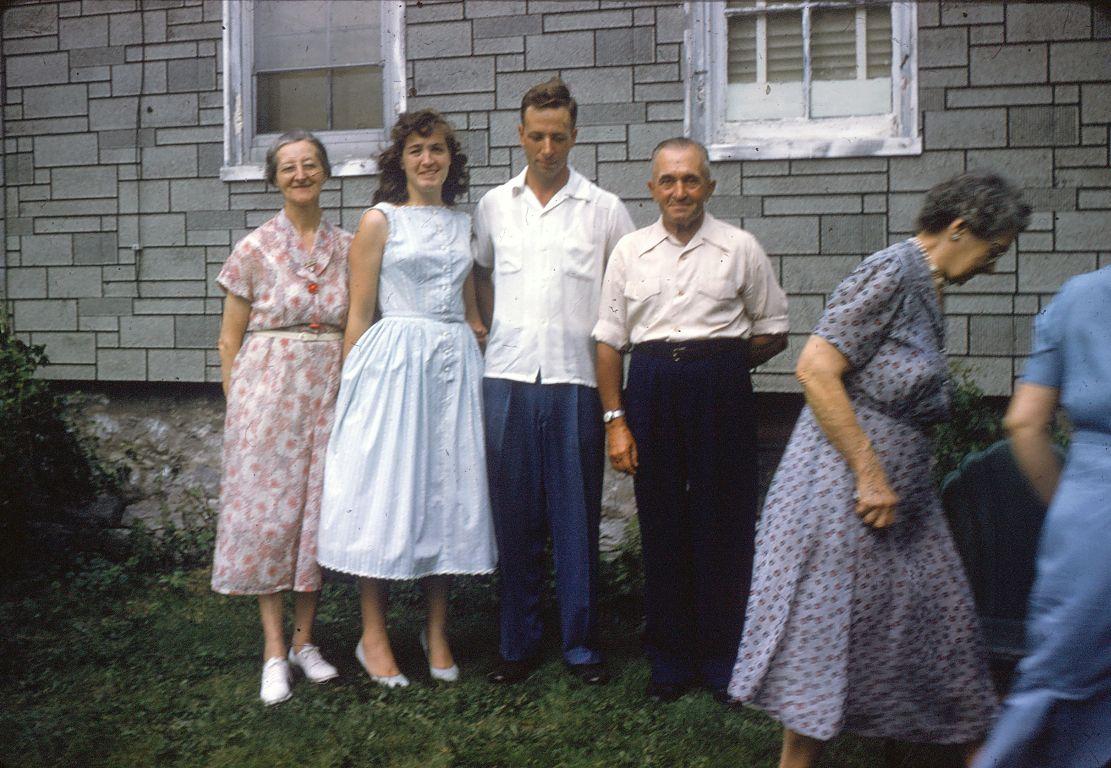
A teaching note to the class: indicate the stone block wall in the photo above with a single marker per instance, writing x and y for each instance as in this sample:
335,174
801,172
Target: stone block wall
116,221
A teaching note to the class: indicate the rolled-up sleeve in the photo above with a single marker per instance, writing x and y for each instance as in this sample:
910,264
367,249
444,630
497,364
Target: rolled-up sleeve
483,245
612,326
764,299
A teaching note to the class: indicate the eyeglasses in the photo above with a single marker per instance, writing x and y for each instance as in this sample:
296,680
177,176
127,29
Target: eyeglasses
308,167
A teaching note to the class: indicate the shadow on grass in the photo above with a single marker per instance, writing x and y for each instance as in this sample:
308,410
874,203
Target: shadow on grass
107,667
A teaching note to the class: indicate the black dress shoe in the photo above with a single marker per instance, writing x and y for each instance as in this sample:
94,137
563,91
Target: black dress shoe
590,674
508,672
664,692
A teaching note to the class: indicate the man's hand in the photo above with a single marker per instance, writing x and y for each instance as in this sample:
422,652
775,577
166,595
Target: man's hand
621,446
763,347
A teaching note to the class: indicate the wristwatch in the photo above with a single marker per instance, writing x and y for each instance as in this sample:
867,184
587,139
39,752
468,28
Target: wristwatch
609,416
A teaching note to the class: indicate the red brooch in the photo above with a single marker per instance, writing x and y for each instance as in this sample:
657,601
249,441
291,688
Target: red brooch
313,287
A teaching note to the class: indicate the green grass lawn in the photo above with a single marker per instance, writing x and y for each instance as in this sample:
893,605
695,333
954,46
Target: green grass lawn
103,667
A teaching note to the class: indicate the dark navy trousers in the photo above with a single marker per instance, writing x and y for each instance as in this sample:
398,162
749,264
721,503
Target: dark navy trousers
544,453
695,429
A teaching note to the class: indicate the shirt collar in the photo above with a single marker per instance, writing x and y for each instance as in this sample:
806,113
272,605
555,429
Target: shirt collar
709,232
576,187
322,247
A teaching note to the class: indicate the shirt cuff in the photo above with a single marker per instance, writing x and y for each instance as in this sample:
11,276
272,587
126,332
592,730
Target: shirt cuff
770,326
611,334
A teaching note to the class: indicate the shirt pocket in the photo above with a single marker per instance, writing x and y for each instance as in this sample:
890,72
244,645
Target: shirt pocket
508,245
643,288
716,285
579,261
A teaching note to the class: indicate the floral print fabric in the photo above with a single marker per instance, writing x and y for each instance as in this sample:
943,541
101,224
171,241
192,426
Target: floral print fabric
280,407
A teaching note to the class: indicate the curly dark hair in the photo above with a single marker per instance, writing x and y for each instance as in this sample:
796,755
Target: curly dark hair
393,187
989,204
551,94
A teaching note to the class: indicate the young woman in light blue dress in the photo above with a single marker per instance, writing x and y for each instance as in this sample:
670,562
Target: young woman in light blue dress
405,493
1058,712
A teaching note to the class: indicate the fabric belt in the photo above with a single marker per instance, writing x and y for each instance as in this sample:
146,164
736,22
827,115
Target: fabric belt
286,333
697,349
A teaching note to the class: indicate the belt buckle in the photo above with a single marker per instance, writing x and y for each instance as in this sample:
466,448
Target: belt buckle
677,353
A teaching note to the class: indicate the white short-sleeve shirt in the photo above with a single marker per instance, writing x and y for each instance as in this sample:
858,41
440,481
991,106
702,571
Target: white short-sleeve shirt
548,262
720,284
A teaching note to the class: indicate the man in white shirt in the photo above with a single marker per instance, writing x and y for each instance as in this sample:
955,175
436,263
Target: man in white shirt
698,301
545,234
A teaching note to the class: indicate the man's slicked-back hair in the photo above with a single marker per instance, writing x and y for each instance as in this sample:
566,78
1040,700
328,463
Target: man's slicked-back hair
551,94
682,142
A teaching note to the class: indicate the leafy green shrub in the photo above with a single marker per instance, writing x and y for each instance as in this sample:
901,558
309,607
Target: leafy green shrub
47,465
974,424
175,547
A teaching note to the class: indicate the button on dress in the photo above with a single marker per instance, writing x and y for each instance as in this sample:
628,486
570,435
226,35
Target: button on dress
405,492
280,405
851,628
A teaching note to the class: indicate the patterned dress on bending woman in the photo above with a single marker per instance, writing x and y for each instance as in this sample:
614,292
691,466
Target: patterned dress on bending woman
851,628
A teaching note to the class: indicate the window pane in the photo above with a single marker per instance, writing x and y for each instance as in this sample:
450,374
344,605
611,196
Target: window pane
356,98
833,44
879,42
288,100
780,53
784,47
290,34
836,90
301,34
356,34
742,49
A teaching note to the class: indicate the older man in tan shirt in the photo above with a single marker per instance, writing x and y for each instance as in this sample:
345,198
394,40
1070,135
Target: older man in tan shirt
698,302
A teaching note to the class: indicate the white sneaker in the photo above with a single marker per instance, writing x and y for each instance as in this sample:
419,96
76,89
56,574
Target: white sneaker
309,661
275,681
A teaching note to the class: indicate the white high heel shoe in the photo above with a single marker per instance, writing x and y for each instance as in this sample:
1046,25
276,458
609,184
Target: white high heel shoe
444,675
390,681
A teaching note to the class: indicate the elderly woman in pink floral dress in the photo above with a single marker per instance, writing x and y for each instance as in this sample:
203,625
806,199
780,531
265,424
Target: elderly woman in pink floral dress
280,342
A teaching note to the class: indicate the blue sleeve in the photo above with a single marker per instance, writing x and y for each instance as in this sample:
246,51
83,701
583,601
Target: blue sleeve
858,314
1045,365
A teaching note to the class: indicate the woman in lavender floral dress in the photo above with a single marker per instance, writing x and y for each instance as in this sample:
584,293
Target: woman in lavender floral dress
860,618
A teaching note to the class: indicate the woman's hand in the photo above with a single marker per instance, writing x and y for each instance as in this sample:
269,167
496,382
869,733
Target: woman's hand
621,446
875,501
233,327
480,332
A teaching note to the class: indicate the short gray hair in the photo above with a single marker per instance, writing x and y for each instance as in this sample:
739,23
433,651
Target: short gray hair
989,204
292,137
682,142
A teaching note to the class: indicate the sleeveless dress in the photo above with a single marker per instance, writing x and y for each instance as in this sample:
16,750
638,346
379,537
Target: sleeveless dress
851,628
1058,713
279,409
405,493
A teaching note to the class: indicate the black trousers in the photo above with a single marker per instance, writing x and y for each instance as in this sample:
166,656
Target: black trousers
695,429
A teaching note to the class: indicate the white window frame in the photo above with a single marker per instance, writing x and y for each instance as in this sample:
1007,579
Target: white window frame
706,82
244,151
